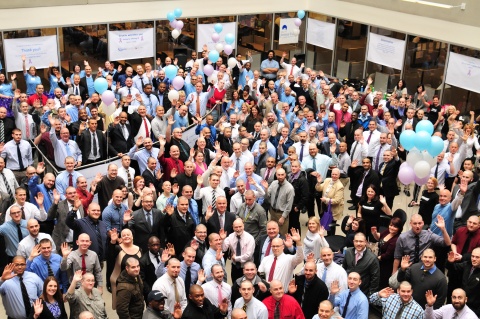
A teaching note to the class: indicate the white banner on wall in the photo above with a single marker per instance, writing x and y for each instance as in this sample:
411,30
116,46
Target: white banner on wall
321,34
205,31
386,51
39,52
463,71
130,44
286,34
91,172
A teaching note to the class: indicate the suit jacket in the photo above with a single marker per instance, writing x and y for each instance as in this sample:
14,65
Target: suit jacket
404,120
84,143
135,121
213,224
225,144
256,223
117,139
83,81
315,293
325,148
47,314
348,131
257,255
335,194
60,212
150,178
8,126
469,202
179,232
389,178
271,177
371,178
147,273
142,231
367,266
70,90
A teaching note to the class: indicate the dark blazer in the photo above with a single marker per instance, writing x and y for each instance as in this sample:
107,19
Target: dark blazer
179,232
470,282
404,120
83,81
60,231
371,178
225,144
257,255
46,313
135,120
202,248
348,131
85,225
300,185
142,231
325,148
469,202
147,273
84,143
312,295
118,141
368,267
150,178
389,178
213,224
8,126
83,89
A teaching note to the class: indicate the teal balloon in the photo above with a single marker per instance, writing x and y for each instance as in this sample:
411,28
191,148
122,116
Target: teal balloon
301,14
213,56
436,146
407,139
218,27
100,85
178,12
423,140
229,38
425,126
170,72
171,16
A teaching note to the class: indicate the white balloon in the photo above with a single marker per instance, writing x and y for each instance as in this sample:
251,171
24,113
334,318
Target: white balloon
422,169
175,33
173,95
108,109
232,62
432,161
219,47
212,78
413,157
296,31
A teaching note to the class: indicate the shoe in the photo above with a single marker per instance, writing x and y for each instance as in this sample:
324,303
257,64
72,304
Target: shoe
407,192
109,289
353,207
350,201
411,204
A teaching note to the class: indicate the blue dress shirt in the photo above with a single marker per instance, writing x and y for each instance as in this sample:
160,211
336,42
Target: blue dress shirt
113,216
39,267
9,231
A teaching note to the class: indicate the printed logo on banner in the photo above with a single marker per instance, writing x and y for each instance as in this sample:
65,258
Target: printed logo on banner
287,34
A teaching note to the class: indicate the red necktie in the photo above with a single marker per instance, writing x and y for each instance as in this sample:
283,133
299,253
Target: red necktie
272,270
70,180
147,133
84,265
269,247
291,70
267,174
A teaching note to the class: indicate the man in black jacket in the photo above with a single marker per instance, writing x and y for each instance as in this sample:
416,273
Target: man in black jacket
264,246
147,265
199,307
120,134
179,225
300,184
93,144
261,286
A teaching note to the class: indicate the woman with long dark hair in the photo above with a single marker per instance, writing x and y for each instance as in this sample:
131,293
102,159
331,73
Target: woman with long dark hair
371,207
50,304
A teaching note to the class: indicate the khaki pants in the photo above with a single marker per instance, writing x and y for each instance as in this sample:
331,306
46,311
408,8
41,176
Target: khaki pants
275,215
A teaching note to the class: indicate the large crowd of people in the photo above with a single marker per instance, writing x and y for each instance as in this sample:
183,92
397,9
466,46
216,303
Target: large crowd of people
157,232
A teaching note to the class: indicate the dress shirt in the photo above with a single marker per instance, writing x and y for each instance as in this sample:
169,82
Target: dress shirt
298,147
31,211
123,173
236,201
357,305
11,180
281,196
12,294
10,152
373,152
210,289
391,306
141,156
165,285
343,163
210,259
74,262
194,268
265,245
448,311
255,308
61,150
323,162
283,268
204,97
269,64
406,243
448,213
79,301
289,307
271,150
374,139
26,245
205,194
61,182
334,272
139,83
39,266
21,124
247,244
9,232
34,188
443,170
113,216
124,91
159,126
361,151
241,164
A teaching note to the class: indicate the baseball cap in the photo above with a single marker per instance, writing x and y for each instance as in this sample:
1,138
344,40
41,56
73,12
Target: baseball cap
155,295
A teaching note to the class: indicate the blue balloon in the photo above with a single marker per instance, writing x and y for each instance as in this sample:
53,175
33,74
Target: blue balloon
301,14
178,12
423,140
171,16
407,139
229,38
436,146
100,85
218,27
170,72
213,56
425,126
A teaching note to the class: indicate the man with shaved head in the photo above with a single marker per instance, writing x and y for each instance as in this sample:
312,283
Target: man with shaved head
141,156
34,236
280,194
170,163
280,304
397,303
107,184
457,309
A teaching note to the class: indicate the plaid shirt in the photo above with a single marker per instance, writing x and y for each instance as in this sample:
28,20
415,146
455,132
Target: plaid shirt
391,306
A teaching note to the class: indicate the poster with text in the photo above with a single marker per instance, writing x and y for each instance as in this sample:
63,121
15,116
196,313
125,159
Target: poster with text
39,52
130,44
205,31
386,51
321,34
286,34
464,72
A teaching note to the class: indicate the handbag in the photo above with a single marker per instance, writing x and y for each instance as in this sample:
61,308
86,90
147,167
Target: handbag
327,217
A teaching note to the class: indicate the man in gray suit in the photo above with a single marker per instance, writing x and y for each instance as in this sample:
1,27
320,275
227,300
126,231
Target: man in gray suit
268,173
59,210
253,216
469,202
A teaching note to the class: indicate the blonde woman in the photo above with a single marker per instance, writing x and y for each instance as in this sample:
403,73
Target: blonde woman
332,189
314,240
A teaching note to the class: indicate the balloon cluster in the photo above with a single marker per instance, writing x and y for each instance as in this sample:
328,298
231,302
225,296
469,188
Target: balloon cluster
101,86
298,21
177,25
423,149
213,55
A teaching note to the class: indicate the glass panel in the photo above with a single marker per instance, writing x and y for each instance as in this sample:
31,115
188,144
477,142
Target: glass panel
254,35
182,47
389,76
317,57
350,49
424,64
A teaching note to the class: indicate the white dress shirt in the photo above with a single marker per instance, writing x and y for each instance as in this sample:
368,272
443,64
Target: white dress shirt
334,272
247,245
31,211
283,268
11,180
165,285
255,308
448,311
25,247
361,151
298,148
205,194
210,289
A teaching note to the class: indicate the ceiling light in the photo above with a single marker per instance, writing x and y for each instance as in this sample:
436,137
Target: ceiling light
436,4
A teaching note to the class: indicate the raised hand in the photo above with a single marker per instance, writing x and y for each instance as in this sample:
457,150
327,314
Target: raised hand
56,196
66,250
405,263
199,179
223,234
169,210
209,213
171,249
165,256
114,234
430,297
386,292
219,254
127,216
36,251
224,306
77,276
292,288
8,272
175,189
177,311
201,275
194,244
38,307
451,257
440,222
310,257
295,235
39,198
139,141
334,287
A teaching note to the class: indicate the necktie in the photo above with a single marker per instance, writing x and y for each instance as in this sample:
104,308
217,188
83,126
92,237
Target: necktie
369,137
400,311
324,276
220,220
188,280
220,297
7,186
27,127
237,166
344,312
129,91
84,265
243,198
76,90
436,170
244,308
238,250
2,132
129,178
198,105
177,295
276,195
272,269
353,151
214,200
471,271
377,159
149,218
267,174
94,140
36,241
23,212
269,247
67,148
314,164
291,70
19,155
70,180
19,232
276,313
455,315
125,131
384,165
99,242
26,299
416,257
301,152
147,131
49,269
